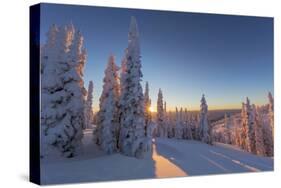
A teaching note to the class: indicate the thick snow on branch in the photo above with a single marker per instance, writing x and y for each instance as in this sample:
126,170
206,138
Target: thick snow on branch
63,92
132,139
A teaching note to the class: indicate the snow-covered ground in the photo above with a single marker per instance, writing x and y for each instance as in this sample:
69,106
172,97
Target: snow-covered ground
169,158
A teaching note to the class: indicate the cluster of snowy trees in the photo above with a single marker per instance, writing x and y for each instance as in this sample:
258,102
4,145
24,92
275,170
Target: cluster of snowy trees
252,130
124,122
62,92
181,124
123,118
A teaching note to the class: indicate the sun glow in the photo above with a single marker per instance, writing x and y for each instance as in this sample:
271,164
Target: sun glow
151,109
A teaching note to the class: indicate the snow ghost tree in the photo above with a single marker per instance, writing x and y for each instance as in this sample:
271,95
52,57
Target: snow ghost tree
63,92
267,138
187,125
258,131
132,139
147,105
243,140
250,131
227,129
193,126
166,119
170,125
204,129
107,125
237,133
271,112
265,119
123,80
89,116
161,132
178,126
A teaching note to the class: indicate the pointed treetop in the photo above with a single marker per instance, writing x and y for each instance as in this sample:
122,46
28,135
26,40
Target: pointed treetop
133,30
203,100
133,39
247,101
51,35
146,94
90,91
111,66
160,100
270,97
204,106
70,28
111,58
269,94
78,38
146,89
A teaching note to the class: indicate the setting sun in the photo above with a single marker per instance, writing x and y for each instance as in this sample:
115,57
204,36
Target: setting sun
151,109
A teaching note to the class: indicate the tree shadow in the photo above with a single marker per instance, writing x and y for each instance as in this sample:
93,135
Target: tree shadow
115,167
192,163
165,166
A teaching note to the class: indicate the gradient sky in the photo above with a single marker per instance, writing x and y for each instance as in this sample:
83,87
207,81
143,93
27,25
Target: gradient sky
185,54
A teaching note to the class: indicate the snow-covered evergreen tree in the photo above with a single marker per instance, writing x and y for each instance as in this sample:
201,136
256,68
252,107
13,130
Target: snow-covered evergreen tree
185,116
166,118
266,130
147,105
251,145
178,126
187,126
271,113
132,140
204,129
227,129
267,139
181,122
108,113
237,133
160,116
63,92
170,125
258,132
88,106
193,126
244,130
123,89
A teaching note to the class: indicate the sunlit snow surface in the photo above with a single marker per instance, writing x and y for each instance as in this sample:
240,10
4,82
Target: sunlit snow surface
169,158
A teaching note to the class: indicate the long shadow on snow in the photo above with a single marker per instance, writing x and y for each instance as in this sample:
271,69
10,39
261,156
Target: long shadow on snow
196,158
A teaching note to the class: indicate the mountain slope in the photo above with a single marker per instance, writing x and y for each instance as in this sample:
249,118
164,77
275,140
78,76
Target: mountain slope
169,158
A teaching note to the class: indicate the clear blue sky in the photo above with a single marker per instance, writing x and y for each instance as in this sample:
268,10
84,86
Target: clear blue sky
185,54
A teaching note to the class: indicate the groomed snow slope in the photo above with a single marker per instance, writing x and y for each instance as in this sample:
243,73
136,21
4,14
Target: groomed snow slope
169,158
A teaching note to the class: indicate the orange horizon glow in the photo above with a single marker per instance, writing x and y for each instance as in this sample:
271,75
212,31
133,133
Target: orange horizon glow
173,109
152,109
170,108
